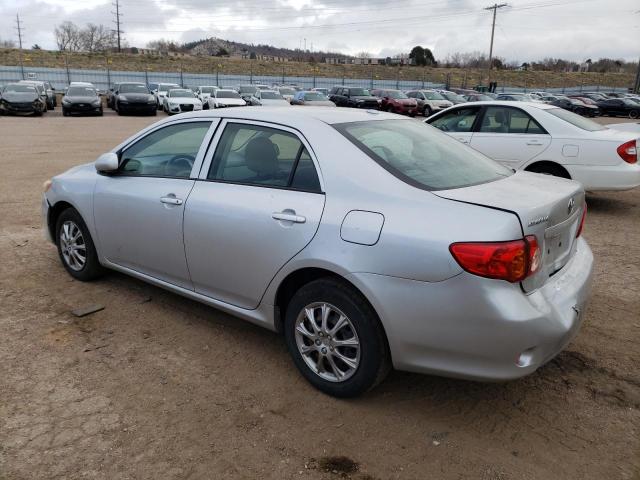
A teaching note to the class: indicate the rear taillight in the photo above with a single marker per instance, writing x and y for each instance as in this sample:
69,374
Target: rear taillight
584,215
512,261
628,152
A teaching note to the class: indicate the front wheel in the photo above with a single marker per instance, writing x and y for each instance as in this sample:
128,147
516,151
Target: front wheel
335,338
75,247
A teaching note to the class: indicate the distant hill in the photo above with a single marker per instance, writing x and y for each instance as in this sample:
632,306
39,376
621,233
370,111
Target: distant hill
219,47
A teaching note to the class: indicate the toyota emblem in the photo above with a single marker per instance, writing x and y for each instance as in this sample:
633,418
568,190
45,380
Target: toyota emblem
572,203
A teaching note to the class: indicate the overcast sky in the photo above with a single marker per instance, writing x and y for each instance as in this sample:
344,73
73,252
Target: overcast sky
525,30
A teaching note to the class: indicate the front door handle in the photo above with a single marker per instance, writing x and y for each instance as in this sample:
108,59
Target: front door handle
171,200
534,142
463,140
288,217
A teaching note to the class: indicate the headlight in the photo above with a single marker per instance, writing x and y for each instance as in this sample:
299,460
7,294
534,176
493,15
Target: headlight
66,101
171,104
96,103
46,186
123,98
197,107
152,99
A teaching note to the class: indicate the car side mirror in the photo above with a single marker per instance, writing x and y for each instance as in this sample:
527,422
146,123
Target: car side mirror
107,162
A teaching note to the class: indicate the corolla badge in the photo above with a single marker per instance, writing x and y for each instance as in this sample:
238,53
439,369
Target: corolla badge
538,221
572,204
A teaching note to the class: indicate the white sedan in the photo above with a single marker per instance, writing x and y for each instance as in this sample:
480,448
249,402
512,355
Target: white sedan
225,98
271,98
179,100
545,139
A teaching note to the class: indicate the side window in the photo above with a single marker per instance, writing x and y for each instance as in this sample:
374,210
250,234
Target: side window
412,95
509,120
460,120
257,155
168,152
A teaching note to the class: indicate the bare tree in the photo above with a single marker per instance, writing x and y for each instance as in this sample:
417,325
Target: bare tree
97,38
363,55
67,36
7,44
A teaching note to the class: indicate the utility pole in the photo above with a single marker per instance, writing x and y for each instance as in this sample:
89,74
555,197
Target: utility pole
636,86
117,22
495,8
19,28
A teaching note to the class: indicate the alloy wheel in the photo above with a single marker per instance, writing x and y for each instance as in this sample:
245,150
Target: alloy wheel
327,342
72,246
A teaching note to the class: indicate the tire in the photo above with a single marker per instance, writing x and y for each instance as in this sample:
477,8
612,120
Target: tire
117,109
426,112
549,169
634,114
68,223
370,361
155,112
101,113
65,113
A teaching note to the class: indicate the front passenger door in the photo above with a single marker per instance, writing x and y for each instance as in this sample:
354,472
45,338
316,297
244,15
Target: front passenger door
457,123
139,210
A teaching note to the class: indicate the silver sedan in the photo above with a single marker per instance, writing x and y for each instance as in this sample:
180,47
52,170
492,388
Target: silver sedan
368,240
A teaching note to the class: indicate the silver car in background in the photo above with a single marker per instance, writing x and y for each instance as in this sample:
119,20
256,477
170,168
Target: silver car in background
367,239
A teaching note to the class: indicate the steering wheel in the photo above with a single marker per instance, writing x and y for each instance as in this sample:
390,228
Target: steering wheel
387,154
179,166
443,127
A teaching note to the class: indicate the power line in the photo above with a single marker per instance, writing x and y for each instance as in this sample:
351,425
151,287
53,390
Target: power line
117,15
19,29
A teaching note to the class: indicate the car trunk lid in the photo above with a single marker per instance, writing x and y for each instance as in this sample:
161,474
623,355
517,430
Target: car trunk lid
548,207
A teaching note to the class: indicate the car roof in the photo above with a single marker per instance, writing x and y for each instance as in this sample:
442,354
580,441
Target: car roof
538,105
291,116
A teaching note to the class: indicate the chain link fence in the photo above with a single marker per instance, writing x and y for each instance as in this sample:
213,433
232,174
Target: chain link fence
103,79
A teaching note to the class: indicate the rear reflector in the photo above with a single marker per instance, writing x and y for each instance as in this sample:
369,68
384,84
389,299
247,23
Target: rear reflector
628,152
584,215
512,261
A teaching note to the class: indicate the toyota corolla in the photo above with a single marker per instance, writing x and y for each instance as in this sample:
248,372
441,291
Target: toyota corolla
367,239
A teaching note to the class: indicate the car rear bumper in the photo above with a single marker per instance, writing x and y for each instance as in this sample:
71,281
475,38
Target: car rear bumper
623,176
476,328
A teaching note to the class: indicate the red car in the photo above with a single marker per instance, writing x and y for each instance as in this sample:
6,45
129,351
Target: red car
395,101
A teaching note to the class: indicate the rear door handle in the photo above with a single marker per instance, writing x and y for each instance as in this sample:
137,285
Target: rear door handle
534,142
288,217
171,200
463,140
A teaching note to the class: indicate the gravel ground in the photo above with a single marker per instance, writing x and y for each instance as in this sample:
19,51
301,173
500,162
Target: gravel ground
159,387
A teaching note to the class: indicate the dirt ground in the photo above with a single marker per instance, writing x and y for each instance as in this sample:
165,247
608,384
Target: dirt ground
159,387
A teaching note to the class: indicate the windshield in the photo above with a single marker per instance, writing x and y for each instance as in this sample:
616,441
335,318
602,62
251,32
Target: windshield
248,89
270,95
359,92
227,94
20,88
164,87
627,101
575,120
433,96
287,91
182,92
207,89
81,92
420,155
454,97
314,97
133,88
395,94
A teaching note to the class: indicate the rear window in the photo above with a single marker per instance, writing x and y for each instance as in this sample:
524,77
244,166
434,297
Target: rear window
420,155
575,120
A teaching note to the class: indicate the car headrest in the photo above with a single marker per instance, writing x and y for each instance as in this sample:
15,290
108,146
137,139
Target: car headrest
499,116
261,156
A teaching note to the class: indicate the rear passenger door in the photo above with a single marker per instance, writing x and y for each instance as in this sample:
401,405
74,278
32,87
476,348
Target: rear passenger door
510,136
257,202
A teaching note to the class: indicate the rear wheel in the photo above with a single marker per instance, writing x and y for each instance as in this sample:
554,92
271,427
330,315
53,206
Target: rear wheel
335,338
426,111
75,247
634,114
548,168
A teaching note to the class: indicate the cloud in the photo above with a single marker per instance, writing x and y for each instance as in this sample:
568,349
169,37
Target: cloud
526,31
